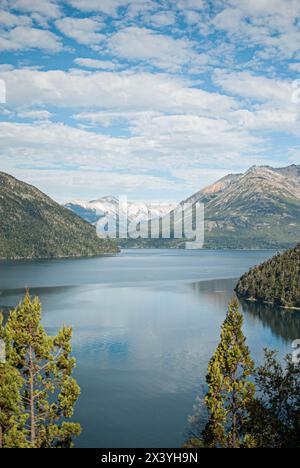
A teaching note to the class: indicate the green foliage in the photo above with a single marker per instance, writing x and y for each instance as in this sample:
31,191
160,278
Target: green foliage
12,419
275,414
230,391
37,392
248,407
34,226
276,281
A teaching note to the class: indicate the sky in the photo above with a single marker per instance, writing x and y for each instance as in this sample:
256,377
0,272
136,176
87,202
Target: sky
149,99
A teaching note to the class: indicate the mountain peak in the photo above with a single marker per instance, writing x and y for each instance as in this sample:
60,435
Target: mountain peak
258,209
259,169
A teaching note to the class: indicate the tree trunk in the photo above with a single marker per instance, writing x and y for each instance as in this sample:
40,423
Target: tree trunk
234,435
31,398
234,413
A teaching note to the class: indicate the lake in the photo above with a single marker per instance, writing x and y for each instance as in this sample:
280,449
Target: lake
145,326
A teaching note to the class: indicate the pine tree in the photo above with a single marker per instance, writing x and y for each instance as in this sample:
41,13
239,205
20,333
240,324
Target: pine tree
12,419
275,413
48,393
230,391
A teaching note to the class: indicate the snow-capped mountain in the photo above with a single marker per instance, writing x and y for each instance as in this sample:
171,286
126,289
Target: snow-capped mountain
257,209
105,207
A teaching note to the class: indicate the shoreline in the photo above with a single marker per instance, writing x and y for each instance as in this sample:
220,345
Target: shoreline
124,250
75,257
272,304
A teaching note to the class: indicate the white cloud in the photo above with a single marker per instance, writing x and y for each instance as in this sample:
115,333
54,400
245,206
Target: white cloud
261,88
267,23
113,91
190,4
165,121
269,103
48,8
146,45
192,17
56,144
174,144
195,134
97,64
23,38
294,155
136,7
7,19
163,18
83,30
274,119
139,8
268,8
35,115
108,118
64,186
177,134
295,67
109,7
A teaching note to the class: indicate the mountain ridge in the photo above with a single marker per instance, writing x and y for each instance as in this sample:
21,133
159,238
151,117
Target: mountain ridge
32,225
258,209
265,202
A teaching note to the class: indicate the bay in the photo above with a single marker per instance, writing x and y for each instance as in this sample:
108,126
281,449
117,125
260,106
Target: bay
145,326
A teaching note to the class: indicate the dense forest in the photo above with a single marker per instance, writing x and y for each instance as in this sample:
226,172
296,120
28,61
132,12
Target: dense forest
276,281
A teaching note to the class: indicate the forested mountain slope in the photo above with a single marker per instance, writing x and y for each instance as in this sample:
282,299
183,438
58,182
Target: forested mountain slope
32,225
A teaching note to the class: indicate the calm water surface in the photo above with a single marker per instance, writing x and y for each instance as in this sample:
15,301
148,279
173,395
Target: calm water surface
145,326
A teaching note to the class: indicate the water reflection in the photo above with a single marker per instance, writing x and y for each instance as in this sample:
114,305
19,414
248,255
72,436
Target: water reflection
215,292
283,323
145,327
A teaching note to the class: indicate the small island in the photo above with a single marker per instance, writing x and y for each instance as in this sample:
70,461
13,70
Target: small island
276,281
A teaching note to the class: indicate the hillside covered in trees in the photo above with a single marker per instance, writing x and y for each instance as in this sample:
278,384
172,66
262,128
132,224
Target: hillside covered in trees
276,281
32,225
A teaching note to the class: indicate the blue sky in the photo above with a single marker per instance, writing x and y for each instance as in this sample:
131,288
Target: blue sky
152,99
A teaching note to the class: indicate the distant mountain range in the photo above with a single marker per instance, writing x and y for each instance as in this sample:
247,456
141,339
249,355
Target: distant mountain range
95,210
258,209
100,211
33,226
